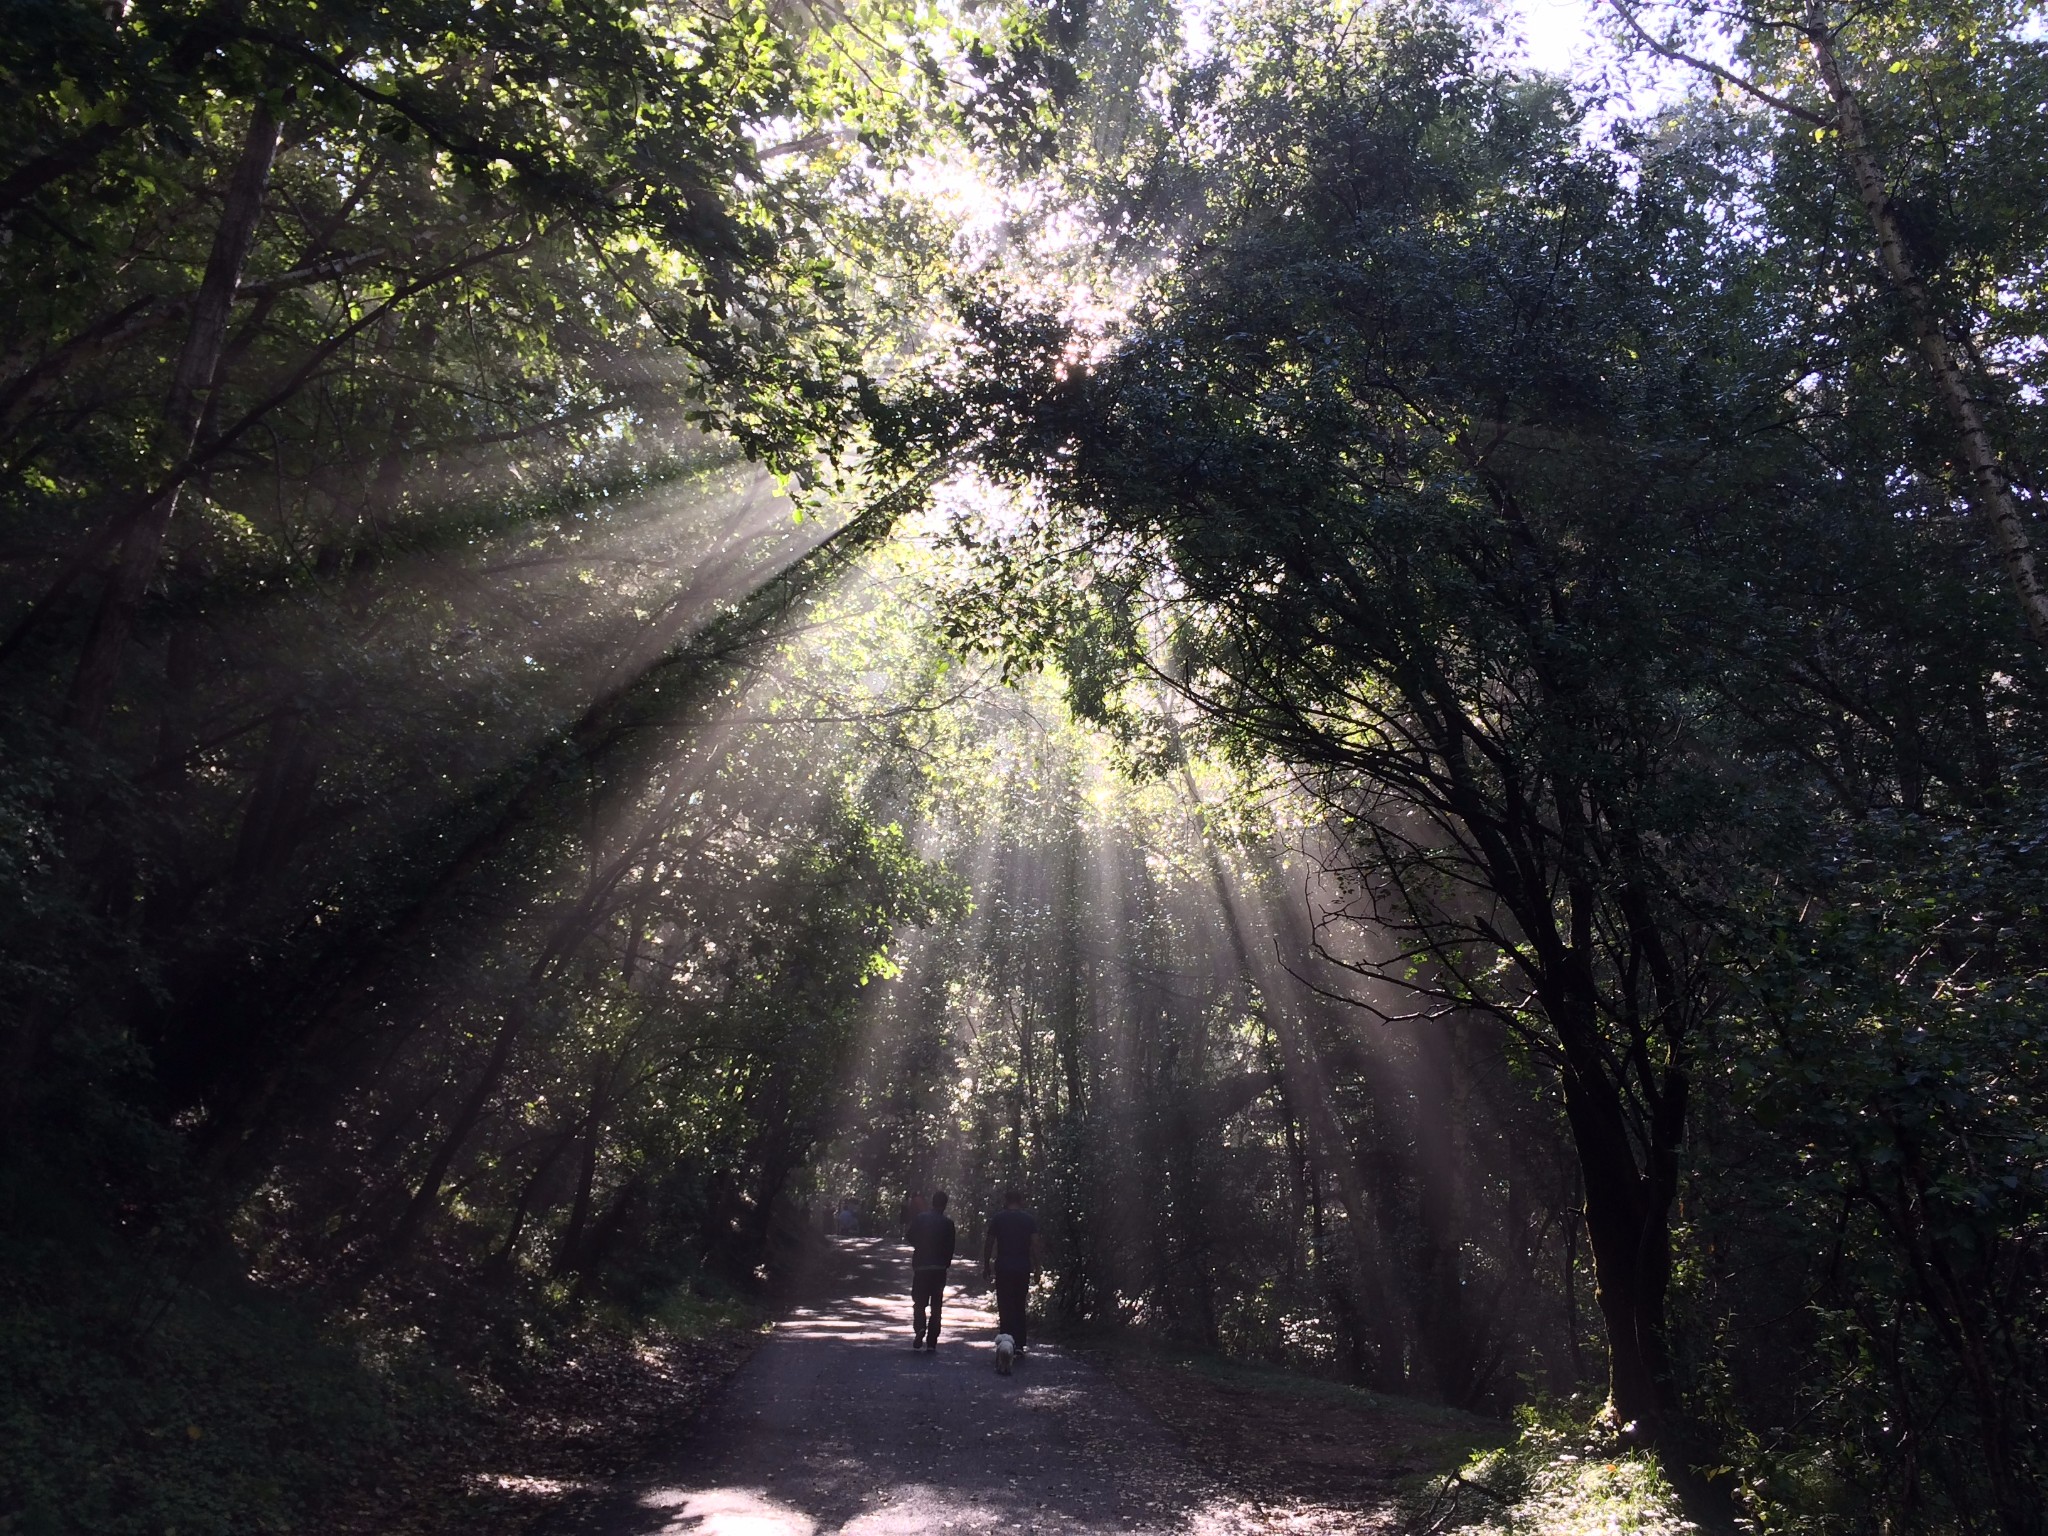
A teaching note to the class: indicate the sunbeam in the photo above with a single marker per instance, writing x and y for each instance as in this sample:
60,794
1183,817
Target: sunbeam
1081,767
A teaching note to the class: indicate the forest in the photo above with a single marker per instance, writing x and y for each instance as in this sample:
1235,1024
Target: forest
1412,688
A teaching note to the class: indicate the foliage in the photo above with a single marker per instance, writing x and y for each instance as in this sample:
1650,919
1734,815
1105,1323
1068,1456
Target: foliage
360,369
1893,1057
1455,786
1559,514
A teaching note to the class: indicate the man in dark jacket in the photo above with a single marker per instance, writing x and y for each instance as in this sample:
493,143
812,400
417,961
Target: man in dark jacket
930,1235
1008,1253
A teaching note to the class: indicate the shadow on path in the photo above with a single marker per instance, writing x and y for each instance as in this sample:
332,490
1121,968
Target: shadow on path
837,1426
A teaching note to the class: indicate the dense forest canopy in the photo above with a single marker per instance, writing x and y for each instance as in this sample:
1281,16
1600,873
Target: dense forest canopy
1410,689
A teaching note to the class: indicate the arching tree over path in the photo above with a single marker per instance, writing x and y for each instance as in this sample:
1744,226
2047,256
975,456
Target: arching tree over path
1465,468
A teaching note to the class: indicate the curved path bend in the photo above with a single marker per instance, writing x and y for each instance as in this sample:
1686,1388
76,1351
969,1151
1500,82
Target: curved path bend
836,1427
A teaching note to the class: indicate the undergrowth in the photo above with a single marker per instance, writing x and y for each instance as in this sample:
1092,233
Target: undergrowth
140,1398
1560,1476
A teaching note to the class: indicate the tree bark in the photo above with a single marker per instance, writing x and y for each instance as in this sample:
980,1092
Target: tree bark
1628,1229
99,669
606,1232
1630,1192
275,811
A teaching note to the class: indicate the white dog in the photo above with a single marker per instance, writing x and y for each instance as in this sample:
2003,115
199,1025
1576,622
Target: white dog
1006,1353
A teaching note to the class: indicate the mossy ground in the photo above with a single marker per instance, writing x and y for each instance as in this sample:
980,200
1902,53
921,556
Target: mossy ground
1562,1474
1301,1442
1305,1443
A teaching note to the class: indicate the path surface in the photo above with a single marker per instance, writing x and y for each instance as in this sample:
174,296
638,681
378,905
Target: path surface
837,1426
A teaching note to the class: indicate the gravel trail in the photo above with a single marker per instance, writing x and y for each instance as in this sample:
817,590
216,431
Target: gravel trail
836,1427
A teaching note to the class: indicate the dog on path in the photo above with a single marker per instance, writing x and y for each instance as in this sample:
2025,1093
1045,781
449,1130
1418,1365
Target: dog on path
1006,1353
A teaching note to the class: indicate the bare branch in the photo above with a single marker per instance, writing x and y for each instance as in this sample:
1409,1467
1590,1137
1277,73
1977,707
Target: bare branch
1709,67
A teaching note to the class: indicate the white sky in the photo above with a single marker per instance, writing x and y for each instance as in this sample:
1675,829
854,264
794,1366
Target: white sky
1566,37
1557,35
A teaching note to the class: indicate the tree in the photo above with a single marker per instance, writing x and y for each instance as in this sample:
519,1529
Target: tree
1425,451
1917,40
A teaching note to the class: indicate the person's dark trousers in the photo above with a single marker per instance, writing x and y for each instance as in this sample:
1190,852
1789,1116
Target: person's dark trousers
927,1289
1013,1291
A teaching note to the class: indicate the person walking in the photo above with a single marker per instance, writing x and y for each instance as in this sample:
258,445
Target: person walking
1008,1251
930,1235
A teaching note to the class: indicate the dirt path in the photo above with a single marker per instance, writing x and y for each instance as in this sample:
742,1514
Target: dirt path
837,1426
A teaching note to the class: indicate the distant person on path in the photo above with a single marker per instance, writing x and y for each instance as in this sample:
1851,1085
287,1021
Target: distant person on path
1008,1251
907,1212
930,1235
849,1219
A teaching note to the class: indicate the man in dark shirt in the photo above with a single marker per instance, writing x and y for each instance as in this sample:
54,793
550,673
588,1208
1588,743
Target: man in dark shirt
1008,1251
930,1235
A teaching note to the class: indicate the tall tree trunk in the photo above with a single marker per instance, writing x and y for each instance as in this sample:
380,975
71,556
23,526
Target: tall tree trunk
1074,1273
99,669
1437,1123
428,1195
569,1253
503,1262
1630,1193
1574,1344
606,1232
1990,489
278,799
1628,1228
1309,1174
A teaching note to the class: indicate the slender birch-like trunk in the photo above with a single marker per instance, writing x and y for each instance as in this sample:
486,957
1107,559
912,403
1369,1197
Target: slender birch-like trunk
1990,489
99,669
